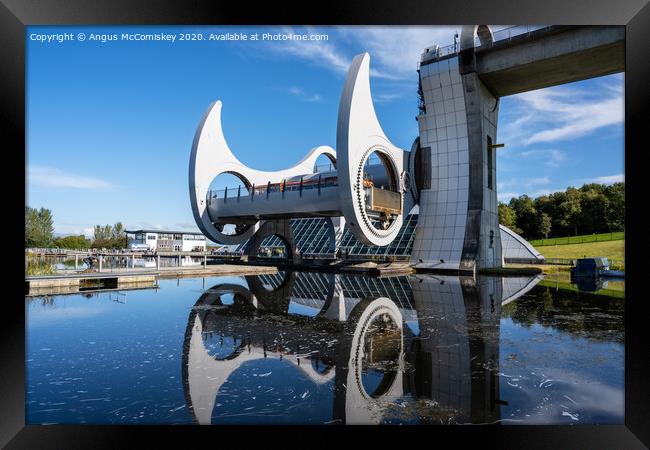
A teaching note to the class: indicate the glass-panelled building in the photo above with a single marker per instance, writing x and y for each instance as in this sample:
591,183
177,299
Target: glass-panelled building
165,241
312,240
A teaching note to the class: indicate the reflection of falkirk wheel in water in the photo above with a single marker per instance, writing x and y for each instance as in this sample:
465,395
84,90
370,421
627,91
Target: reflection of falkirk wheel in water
449,172
455,353
204,374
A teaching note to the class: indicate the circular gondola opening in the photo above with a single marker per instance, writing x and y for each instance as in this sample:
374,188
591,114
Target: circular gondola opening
382,346
381,191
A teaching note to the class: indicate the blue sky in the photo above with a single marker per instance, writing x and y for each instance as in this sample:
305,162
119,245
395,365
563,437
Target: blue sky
110,124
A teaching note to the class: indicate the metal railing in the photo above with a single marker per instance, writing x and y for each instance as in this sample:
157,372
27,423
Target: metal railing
325,168
266,189
504,34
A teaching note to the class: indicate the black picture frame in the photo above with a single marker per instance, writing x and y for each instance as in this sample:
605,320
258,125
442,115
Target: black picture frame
15,15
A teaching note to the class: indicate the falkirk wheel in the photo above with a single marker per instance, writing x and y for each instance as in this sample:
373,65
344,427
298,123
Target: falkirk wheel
448,173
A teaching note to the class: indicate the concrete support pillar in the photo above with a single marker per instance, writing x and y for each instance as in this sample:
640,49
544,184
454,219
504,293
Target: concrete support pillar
76,261
336,229
280,228
157,261
133,261
458,226
101,260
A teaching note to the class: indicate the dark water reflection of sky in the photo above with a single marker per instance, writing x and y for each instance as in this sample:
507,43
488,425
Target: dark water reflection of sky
320,348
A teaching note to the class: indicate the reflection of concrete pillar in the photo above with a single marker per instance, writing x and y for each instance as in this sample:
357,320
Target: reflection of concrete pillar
336,229
443,363
336,309
483,305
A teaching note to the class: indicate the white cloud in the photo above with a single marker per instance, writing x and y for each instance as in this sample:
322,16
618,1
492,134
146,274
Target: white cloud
387,97
43,176
552,157
394,51
302,95
322,53
608,179
565,113
538,181
506,196
73,229
518,182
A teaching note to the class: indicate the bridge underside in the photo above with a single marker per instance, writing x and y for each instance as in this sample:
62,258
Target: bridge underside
559,56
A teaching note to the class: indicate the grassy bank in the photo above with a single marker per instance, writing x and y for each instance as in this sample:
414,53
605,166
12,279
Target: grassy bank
613,289
545,269
613,250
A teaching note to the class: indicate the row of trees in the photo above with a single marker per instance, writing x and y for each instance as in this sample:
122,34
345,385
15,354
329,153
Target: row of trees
39,232
109,236
593,208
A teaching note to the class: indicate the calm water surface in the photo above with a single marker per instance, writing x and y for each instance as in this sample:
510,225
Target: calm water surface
325,349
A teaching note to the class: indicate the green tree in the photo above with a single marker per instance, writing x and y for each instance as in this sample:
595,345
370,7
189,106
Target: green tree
593,205
570,209
108,236
615,214
508,217
544,227
118,236
31,219
39,227
75,242
526,215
